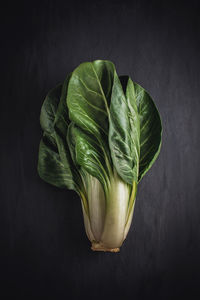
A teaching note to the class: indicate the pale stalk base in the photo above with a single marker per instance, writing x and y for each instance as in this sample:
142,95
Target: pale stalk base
107,220
100,247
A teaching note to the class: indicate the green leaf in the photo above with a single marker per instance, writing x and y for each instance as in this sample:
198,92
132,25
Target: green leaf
54,122
115,123
89,93
124,130
88,154
88,100
51,168
150,130
61,121
71,141
135,130
48,112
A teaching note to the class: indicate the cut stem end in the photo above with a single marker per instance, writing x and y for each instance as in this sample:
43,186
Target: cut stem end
100,247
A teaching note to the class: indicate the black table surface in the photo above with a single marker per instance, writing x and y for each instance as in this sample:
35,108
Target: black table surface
43,247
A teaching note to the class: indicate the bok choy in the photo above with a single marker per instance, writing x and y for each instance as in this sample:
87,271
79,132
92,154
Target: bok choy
101,134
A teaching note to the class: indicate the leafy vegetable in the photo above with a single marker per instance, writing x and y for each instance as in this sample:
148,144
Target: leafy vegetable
102,133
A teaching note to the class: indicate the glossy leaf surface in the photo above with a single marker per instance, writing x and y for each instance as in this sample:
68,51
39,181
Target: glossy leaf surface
150,130
89,93
124,131
88,154
88,100
135,130
51,168
56,145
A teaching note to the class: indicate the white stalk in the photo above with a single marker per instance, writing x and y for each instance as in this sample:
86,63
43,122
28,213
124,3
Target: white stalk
87,224
116,213
108,219
96,203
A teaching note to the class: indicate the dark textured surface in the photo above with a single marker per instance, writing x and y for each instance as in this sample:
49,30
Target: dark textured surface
44,250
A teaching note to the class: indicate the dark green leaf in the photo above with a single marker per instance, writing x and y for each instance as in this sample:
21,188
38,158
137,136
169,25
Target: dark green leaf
61,121
135,130
124,131
49,109
89,94
51,169
150,130
53,120
88,154
71,140
110,118
88,100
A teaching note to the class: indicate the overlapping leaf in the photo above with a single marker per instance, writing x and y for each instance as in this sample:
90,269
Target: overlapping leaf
51,168
87,153
88,100
115,125
61,120
89,93
55,165
150,130
48,112
124,130
135,130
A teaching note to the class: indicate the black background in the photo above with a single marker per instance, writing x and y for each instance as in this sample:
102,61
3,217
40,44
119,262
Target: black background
43,247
